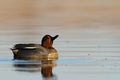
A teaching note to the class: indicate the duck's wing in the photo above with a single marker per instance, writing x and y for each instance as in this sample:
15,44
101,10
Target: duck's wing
27,46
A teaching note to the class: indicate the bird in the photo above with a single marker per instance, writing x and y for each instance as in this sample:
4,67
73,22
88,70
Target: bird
31,51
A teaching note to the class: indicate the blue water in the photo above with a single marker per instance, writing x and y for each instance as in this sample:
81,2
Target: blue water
83,54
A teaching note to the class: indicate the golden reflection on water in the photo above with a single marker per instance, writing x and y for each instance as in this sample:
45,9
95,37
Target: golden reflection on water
44,66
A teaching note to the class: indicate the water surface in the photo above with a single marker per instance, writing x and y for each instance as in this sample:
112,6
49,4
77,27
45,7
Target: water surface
80,56
88,45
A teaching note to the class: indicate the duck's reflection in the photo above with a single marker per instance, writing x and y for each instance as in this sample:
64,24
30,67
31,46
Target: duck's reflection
46,70
44,66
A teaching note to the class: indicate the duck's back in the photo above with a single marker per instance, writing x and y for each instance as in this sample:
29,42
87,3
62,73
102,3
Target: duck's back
30,46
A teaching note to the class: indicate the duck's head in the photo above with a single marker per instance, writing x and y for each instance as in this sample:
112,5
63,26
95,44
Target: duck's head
47,41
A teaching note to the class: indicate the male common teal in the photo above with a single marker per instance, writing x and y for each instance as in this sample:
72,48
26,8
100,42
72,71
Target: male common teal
45,51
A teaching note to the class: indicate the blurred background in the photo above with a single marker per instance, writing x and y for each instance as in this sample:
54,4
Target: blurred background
83,19
89,42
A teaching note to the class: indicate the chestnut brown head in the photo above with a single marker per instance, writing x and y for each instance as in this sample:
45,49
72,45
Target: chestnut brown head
47,41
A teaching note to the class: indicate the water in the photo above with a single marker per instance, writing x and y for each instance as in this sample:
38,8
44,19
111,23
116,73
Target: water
88,45
86,58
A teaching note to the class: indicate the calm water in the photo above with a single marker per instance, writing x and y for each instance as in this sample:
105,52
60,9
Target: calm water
84,54
88,46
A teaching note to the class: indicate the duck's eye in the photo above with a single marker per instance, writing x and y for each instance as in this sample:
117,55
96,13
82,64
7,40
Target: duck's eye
48,37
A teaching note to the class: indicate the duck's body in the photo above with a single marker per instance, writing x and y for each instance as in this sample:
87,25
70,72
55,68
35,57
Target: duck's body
36,51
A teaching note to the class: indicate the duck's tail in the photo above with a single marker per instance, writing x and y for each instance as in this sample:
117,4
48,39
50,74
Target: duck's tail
15,51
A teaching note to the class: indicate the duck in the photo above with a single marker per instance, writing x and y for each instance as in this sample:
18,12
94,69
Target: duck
31,51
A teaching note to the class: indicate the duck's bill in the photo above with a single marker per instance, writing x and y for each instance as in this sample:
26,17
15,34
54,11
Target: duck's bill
53,38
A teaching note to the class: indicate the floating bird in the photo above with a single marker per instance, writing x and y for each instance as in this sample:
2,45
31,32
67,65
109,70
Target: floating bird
43,51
